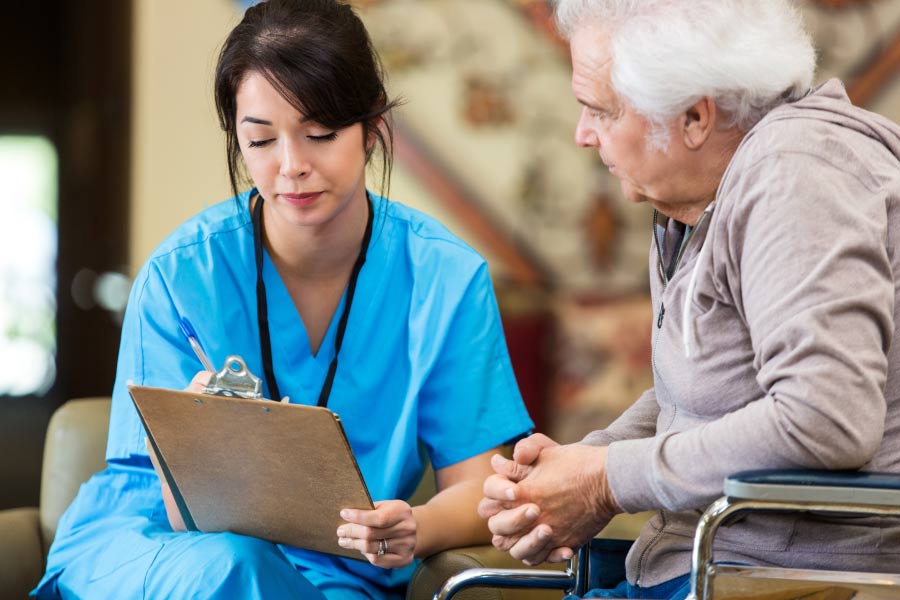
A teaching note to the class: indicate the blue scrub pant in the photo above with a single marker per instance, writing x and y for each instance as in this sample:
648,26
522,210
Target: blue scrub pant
191,565
115,542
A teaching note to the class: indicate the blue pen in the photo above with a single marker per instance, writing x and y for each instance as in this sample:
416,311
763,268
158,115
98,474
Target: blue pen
188,330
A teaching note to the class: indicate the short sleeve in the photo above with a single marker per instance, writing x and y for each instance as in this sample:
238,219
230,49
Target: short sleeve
470,403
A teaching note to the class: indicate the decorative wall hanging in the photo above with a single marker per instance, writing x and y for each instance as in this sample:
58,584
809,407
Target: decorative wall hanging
487,132
487,90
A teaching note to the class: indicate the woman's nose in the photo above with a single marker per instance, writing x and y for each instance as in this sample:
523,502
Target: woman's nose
294,162
585,135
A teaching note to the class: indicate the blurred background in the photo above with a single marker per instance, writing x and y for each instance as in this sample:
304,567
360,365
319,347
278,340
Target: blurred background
108,140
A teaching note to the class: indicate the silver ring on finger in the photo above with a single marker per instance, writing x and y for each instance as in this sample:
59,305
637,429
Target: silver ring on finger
382,547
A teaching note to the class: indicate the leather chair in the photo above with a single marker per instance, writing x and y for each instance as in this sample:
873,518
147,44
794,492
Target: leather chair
74,450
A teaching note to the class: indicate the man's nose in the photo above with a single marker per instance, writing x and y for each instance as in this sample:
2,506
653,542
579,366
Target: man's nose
585,135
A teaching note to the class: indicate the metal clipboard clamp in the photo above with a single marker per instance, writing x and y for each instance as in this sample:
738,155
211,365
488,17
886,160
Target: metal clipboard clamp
235,380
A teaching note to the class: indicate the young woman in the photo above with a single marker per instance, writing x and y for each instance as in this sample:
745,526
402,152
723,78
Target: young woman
339,297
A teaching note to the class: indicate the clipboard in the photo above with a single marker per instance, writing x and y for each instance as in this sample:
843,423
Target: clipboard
276,471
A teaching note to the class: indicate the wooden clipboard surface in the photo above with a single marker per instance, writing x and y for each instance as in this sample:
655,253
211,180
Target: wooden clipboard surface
280,472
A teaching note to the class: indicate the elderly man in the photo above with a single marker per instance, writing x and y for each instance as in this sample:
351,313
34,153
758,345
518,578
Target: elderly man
774,274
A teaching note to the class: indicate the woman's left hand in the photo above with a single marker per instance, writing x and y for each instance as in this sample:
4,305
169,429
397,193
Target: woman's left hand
390,527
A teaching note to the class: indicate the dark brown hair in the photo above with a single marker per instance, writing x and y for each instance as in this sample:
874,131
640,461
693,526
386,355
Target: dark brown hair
318,55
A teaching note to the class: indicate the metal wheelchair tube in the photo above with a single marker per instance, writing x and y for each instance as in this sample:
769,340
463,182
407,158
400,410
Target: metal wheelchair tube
574,578
702,555
507,578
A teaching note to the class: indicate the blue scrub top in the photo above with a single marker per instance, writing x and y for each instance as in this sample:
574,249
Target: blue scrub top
424,363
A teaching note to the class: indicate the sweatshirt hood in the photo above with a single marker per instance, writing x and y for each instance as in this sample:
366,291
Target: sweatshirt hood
829,102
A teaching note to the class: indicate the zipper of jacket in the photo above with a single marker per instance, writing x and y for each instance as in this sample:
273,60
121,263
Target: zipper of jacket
659,322
678,257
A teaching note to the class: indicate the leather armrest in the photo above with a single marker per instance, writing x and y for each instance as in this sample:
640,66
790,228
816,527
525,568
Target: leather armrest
74,450
435,570
21,552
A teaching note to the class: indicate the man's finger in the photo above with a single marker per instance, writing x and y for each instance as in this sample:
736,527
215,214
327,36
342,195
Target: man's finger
504,542
509,468
488,507
561,554
515,521
534,547
528,450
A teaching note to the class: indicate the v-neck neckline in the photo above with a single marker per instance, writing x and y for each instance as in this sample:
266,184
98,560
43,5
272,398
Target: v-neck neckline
285,319
289,339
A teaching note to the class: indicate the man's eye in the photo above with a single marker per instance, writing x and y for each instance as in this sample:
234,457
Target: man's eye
328,137
257,144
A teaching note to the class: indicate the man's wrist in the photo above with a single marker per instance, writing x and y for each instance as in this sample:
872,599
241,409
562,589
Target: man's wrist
607,499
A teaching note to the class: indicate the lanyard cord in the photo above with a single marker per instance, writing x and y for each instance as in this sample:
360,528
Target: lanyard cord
262,312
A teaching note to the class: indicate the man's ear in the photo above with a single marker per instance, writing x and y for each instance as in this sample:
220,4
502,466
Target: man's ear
698,123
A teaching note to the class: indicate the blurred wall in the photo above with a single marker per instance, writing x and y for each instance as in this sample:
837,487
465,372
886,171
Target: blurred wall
490,117
177,160
178,151
178,156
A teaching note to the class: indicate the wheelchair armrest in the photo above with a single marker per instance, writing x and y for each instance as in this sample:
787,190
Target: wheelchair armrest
840,492
808,485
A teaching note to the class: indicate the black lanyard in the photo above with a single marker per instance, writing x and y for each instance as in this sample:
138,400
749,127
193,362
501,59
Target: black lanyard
262,311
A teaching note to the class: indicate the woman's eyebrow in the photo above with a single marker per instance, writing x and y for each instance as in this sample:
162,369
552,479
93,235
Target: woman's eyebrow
255,121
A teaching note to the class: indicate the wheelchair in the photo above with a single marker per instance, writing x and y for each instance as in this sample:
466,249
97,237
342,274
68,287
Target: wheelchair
843,493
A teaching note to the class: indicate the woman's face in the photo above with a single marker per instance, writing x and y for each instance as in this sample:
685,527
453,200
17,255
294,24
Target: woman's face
307,173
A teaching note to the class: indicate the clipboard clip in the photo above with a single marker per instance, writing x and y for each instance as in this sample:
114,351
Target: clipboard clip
235,380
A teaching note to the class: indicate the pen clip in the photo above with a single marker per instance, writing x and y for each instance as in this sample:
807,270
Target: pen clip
235,380
191,336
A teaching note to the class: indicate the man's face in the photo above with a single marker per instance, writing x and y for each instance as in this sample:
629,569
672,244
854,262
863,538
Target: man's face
620,134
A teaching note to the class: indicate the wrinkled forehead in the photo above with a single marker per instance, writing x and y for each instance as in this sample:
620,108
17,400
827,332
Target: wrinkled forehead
592,64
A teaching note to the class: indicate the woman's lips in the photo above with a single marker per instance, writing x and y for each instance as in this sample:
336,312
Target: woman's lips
301,199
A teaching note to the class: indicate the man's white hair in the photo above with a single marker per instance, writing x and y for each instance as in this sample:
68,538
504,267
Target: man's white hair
749,56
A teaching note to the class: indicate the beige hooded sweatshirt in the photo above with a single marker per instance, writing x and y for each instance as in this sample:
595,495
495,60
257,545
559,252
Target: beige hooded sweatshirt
772,345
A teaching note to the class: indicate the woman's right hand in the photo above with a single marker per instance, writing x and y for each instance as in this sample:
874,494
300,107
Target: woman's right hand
199,382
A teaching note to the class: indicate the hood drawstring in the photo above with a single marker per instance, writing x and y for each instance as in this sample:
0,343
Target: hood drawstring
687,323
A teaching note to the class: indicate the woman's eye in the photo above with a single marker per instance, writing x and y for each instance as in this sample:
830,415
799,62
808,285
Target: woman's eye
257,144
323,138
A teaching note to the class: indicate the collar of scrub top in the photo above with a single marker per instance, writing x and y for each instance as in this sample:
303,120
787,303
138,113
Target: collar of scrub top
262,313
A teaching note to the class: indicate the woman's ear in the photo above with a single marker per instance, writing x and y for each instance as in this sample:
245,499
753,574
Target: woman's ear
698,122
372,128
